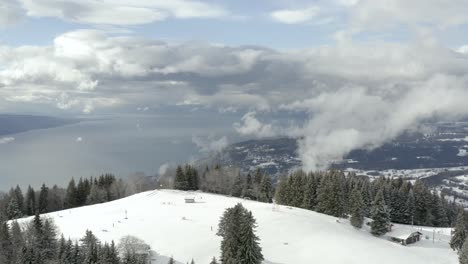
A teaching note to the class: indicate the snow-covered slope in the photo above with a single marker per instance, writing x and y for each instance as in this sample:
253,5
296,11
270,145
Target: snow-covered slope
288,235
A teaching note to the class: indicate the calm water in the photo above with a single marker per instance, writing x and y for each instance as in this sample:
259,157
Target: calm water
121,145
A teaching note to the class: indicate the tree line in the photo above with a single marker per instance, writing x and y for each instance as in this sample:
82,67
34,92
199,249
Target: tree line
227,181
87,191
340,195
37,242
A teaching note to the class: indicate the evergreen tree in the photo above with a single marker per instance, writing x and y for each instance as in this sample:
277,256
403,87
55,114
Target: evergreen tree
96,195
6,247
309,198
380,216
20,199
17,240
180,181
43,199
282,191
71,195
460,234
356,208
30,201
329,199
239,243
266,189
13,210
248,190
237,186
213,261
250,251
463,256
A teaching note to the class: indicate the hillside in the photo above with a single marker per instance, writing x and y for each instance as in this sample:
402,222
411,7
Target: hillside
288,235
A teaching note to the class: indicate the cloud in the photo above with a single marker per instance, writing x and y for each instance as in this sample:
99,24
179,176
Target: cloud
210,144
369,14
163,168
251,126
352,94
10,13
295,16
463,49
6,140
121,13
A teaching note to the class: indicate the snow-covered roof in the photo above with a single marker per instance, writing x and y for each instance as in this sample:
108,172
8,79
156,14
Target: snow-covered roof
402,232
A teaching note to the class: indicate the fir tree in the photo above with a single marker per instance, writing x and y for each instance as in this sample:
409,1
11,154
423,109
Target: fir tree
460,234
6,247
250,251
380,216
356,208
239,243
43,199
180,181
30,201
266,189
237,186
248,190
13,210
71,195
463,256
213,261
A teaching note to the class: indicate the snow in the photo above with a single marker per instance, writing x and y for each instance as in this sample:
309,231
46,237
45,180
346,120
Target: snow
454,139
288,235
462,152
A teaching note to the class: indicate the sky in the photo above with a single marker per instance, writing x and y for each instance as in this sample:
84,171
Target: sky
358,72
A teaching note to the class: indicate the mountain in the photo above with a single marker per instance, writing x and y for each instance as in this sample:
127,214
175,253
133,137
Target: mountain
446,145
288,235
12,124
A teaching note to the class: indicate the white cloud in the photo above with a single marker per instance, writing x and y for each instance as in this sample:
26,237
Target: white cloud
295,16
370,14
6,140
163,168
463,49
120,13
10,13
251,126
355,94
210,144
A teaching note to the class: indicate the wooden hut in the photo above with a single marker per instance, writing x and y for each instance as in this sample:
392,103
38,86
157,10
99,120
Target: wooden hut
405,236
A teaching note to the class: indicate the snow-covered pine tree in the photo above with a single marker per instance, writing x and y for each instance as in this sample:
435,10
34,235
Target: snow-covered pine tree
248,189
249,251
309,198
282,191
463,256
13,210
237,186
266,189
180,181
6,246
460,234
17,239
380,215
356,208
43,202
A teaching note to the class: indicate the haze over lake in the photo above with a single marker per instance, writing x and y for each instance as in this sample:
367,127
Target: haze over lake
120,144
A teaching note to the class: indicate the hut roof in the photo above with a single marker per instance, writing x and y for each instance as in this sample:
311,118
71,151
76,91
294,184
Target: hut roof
402,232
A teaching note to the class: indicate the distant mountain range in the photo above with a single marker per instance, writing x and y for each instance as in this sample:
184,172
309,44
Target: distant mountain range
445,146
12,124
